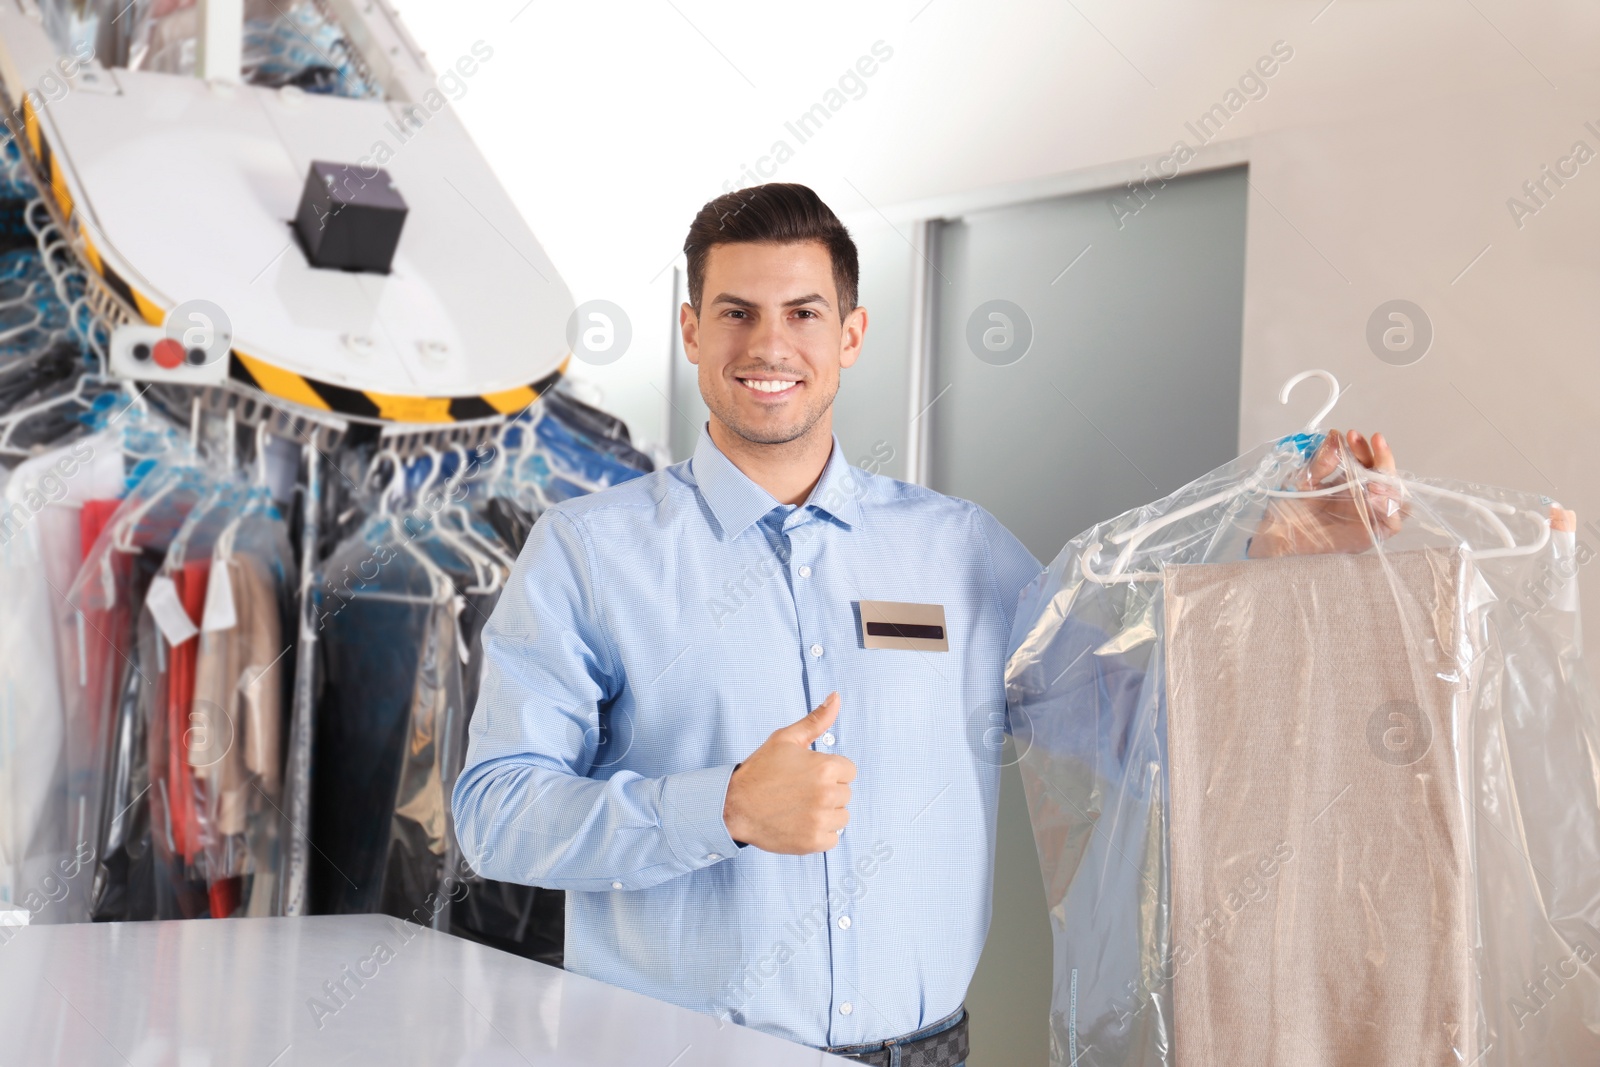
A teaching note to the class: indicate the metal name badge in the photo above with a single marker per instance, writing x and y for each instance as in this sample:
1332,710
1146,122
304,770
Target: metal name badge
909,627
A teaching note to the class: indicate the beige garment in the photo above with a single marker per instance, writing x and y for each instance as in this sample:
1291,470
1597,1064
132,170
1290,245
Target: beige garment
1321,882
238,698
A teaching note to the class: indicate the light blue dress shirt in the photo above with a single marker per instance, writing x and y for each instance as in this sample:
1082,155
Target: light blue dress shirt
651,637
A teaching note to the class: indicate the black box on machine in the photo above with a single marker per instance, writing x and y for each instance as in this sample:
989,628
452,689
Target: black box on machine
350,217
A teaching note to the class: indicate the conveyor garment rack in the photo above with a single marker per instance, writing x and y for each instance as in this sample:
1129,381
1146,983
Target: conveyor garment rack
98,305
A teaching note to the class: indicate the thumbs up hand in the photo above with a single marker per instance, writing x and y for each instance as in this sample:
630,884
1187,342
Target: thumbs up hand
787,797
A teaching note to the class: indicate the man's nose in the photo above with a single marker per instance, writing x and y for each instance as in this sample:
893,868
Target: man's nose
769,342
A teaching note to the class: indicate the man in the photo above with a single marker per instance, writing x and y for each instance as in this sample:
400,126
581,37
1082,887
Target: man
643,738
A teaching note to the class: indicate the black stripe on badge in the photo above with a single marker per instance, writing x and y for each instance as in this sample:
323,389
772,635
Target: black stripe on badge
905,629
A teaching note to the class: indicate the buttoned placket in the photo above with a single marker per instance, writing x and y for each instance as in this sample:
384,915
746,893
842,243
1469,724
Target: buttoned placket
803,532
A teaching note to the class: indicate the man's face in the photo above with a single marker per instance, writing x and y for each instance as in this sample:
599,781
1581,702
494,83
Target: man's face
769,339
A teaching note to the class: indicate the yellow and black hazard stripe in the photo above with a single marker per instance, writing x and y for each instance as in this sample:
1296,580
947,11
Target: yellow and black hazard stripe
49,166
276,382
384,407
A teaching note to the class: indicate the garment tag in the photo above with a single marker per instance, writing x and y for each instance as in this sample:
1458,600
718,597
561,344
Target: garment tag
911,627
167,610
1565,544
219,613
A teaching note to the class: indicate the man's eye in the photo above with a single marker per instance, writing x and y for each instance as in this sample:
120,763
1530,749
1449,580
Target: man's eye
807,312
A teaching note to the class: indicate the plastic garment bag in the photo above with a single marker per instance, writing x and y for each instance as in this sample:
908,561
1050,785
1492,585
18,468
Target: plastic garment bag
216,736
117,694
387,719
241,678
41,855
1330,808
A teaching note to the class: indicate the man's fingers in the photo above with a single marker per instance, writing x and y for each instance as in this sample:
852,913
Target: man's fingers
1382,457
1359,448
842,769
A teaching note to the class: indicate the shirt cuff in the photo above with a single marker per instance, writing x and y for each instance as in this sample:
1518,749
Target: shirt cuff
691,815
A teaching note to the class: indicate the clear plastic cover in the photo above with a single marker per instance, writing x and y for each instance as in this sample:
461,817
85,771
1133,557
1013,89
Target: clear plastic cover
387,720
1313,766
217,753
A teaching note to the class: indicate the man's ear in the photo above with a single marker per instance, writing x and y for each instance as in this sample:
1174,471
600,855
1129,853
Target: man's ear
689,325
851,337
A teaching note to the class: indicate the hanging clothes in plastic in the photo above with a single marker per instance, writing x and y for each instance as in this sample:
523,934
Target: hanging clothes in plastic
400,611
240,696
175,735
109,725
386,726
39,556
1318,809
216,753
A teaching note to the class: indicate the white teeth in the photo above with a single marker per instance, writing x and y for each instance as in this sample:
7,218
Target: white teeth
767,387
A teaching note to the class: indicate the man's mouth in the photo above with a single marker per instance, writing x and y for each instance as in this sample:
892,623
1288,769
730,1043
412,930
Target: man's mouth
769,386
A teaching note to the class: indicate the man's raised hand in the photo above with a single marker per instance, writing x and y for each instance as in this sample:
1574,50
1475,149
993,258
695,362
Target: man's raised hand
787,797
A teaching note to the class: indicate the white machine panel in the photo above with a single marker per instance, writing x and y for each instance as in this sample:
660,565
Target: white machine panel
187,188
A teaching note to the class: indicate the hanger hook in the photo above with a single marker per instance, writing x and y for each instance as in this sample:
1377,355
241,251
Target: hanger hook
388,492
1322,412
463,461
435,468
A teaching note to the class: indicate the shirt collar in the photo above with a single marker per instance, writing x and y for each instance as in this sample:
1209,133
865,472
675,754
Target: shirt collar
736,501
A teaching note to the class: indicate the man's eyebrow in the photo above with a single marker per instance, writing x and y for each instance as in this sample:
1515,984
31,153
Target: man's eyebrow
799,301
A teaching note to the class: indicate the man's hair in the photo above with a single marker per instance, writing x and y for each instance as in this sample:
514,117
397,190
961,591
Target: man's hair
775,213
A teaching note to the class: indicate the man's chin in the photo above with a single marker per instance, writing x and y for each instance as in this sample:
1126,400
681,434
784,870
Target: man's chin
768,431
768,435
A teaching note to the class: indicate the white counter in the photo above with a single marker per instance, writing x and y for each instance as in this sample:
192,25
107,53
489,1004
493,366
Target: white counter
358,989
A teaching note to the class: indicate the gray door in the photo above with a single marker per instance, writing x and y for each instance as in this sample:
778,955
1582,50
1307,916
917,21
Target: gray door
1108,377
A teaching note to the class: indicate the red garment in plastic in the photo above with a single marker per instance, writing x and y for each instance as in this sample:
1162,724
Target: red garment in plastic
190,581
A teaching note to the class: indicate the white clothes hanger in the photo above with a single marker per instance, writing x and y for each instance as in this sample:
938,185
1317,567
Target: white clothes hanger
507,466
501,563
484,570
1489,510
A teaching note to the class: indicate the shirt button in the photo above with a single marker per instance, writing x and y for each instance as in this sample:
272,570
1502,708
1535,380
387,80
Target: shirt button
816,650
846,1008
805,572
826,738
844,922
713,856
616,885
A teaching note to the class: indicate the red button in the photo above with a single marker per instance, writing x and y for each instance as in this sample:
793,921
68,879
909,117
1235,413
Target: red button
167,353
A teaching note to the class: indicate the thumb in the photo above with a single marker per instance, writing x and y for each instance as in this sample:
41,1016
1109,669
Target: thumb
816,722
1324,460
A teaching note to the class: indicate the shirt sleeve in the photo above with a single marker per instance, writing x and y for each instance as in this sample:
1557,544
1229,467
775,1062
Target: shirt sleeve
525,808
1014,566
